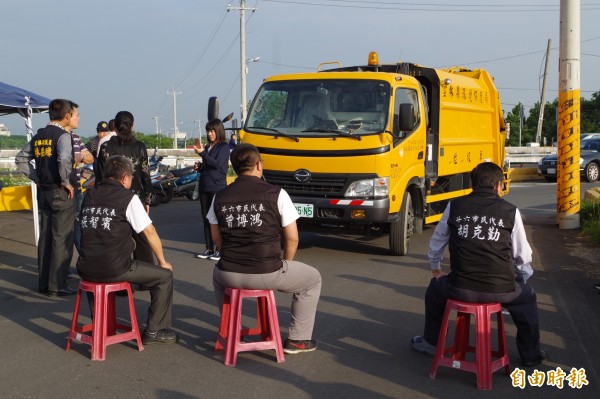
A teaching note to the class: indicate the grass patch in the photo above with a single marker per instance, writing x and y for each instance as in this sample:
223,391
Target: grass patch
14,179
590,217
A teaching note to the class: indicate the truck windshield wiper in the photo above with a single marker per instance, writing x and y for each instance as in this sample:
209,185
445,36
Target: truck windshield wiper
338,132
279,133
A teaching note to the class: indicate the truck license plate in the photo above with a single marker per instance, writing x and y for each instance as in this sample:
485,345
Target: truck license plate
305,210
551,171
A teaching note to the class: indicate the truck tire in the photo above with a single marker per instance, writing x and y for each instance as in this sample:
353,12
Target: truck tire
402,229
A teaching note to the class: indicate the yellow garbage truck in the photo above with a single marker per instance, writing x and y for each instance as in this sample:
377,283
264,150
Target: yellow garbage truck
376,148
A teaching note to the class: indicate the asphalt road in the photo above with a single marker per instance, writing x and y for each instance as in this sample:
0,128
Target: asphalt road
371,304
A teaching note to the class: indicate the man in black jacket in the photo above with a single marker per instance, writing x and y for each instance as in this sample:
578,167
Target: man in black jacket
52,151
490,261
108,214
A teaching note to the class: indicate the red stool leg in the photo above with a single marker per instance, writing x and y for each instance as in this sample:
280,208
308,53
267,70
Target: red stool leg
235,329
441,344
133,317
274,333
99,330
461,336
75,318
224,325
111,314
483,349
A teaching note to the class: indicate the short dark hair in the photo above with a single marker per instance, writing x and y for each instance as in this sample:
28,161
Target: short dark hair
117,167
59,108
486,175
219,128
243,158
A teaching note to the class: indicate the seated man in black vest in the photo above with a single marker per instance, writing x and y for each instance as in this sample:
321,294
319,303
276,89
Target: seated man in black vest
108,213
490,261
249,221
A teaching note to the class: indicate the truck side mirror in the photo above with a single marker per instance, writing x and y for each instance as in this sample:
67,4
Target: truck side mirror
213,108
407,118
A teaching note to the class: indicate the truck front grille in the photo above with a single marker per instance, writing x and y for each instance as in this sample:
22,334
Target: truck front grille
319,184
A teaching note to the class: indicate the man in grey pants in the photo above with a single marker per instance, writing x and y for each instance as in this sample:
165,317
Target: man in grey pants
52,151
248,220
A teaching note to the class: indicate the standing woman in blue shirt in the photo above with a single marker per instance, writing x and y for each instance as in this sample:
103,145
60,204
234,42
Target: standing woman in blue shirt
213,177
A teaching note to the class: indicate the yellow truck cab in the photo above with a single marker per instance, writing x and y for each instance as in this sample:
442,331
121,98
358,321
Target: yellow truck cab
379,147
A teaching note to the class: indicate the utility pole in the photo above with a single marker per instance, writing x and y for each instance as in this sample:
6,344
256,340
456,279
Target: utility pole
156,118
175,128
538,136
242,9
568,188
520,123
199,121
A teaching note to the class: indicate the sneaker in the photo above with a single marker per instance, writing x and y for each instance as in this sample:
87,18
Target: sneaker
419,344
291,346
163,336
206,254
216,256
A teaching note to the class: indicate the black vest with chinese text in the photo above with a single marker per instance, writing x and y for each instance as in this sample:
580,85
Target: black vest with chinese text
250,225
480,242
44,145
106,240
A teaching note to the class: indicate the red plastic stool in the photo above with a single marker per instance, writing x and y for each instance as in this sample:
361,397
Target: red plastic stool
483,366
104,324
231,331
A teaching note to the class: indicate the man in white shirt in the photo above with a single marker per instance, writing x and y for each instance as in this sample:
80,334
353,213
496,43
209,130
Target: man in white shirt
490,261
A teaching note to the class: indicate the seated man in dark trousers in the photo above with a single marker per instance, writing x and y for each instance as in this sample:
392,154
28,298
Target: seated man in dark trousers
490,261
249,221
108,213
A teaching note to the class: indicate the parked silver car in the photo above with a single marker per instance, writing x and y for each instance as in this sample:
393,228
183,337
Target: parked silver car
589,162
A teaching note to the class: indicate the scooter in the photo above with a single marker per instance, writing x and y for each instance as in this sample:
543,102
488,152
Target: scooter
186,180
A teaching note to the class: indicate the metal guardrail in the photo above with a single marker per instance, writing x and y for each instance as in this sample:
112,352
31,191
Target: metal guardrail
187,157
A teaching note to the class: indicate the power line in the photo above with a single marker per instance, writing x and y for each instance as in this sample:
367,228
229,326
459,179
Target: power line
414,7
199,58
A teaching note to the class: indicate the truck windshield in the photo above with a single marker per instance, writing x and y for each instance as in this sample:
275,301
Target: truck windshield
320,108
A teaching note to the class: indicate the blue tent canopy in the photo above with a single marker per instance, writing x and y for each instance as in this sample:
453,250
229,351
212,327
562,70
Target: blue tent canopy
14,98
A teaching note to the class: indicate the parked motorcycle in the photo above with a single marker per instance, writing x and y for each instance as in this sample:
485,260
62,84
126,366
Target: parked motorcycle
163,185
186,180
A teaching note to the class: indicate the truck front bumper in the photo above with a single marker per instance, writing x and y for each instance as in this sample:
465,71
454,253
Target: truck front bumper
329,210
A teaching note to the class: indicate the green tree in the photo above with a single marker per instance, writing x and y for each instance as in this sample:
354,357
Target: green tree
549,124
527,134
270,106
15,142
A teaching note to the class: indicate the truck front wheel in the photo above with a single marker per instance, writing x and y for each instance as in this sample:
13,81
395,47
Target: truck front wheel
402,229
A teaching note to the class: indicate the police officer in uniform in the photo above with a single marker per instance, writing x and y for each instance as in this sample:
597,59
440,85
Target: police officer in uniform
52,151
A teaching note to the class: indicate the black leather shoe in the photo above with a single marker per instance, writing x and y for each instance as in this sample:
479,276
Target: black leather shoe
532,363
63,292
43,290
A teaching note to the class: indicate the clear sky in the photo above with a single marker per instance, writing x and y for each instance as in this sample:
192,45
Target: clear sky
114,55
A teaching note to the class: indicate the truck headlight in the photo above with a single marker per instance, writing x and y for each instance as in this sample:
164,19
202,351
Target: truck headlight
378,187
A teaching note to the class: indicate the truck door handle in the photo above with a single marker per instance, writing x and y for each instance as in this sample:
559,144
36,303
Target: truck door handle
420,155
